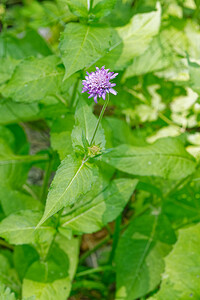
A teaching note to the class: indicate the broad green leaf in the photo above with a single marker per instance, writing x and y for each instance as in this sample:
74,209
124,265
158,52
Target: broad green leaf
85,123
13,201
34,78
139,257
61,135
30,44
166,158
73,178
133,40
14,167
19,228
182,207
8,66
24,256
71,248
81,45
102,8
14,112
79,7
118,132
181,279
52,278
104,208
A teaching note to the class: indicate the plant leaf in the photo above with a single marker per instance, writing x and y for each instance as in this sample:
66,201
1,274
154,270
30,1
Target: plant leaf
73,178
88,44
85,123
133,40
52,279
19,228
33,79
166,158
181,279
104,208
139,256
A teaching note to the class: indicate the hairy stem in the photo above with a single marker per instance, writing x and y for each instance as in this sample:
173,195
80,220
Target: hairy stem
94,270
100,118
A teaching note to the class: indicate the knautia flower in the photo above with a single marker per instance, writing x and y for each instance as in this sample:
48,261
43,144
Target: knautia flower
97,83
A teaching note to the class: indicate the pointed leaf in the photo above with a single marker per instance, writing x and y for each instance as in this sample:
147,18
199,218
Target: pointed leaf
181,279
19,228
104,208
166,158
81,45
139,257
34,78
73,178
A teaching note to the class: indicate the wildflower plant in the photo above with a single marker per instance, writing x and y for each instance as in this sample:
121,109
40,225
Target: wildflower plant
95,205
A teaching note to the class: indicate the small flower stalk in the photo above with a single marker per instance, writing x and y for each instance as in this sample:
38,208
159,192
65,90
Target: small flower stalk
97,84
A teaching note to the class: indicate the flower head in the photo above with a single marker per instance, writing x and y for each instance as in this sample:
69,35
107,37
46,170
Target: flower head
97,83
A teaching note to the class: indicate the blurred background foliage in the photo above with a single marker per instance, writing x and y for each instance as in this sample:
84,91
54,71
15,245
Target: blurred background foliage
155,47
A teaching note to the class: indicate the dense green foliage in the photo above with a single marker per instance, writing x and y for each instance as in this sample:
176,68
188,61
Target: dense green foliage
118,218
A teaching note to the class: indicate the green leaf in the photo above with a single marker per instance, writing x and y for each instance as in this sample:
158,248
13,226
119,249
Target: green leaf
118,132
73,178
78,7
104,208
19,228
14,112
102,8
182,207
181,279
30,44
85,123
34,78
71,248
166,158
133,40
88,44
24,256
8,66
51,279
13,201
61,135
139,256
13,167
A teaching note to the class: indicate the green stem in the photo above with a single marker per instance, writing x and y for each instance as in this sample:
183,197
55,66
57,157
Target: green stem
91,4
6,245
61,99
100,118
115,237
94,270
89,252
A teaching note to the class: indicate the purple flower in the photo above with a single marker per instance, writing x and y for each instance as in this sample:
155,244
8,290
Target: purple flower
97,83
